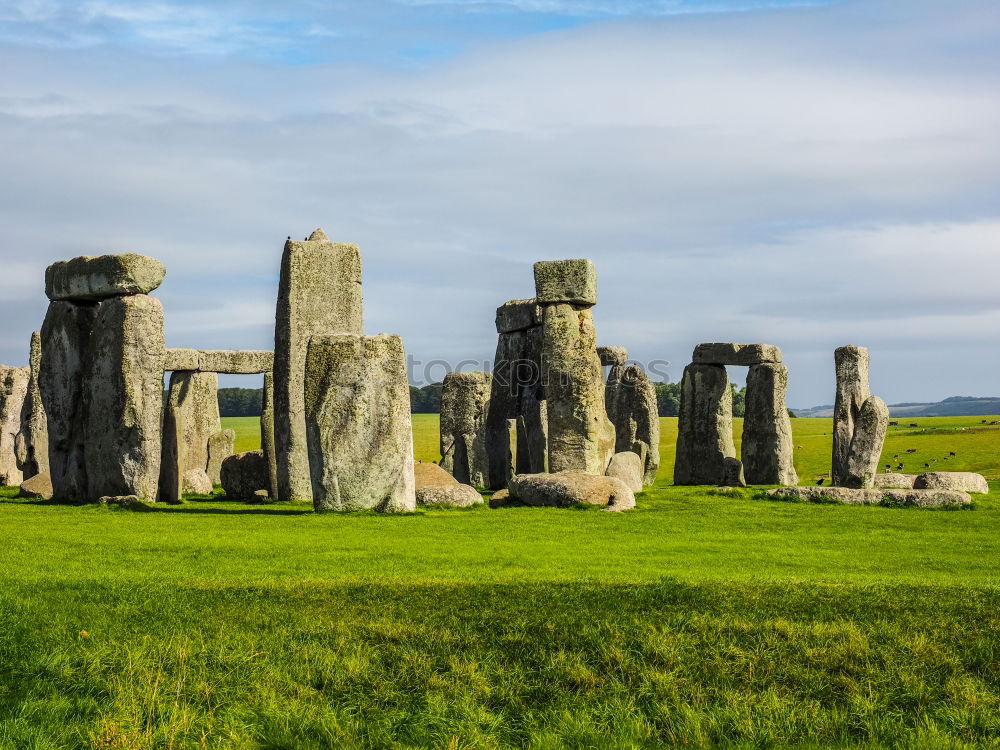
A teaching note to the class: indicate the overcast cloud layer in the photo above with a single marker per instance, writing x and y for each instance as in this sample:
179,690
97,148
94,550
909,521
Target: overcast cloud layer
804,176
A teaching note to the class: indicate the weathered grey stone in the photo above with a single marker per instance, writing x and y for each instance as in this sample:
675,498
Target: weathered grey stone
127,502
922,498
499,498
580,435
852,366
630,401
518,315
767,448
319,293
431,475
458,495
567,488
357,401
465,401
505,390
627,466
571,281
61,380
892,480
32,442
39,486
532,433
611,356
196,481
732,473
704,427
13,390
125,398
191,418
243,474
866,447
267,433
229,361
220,447
97,277
741,355
964,481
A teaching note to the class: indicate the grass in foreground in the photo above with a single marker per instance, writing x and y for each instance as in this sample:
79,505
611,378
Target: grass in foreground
696,620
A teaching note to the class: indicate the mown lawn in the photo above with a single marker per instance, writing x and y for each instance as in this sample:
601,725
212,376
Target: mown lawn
696,620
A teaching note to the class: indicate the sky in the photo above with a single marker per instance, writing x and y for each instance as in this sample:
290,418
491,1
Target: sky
806,174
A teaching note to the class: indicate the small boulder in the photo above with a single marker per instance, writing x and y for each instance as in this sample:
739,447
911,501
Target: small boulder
500,497
39,486
129,502
897,481
457,495
963,481
612,356
245,473
196,482
431,475
567,488
627,466
860,496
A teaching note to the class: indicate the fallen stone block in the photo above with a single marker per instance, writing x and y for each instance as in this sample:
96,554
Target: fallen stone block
567,488
431,475
741,355
922,498
243,474
457,495
38,486
627,467
891,480
964,481
196,482
97,277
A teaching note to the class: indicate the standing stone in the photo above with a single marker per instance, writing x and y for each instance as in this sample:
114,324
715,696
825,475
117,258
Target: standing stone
357,401
32,443
319,293
767,449
267,433
65,339
630,400
866,446
220,447
13,390
244,474
191,418
503,406
124,398
627,466
704,427
852,364
465,400
580,435
532,432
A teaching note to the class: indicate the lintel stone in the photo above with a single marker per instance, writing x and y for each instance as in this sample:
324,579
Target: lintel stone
96,277
518,315
231,362
573,281
740,355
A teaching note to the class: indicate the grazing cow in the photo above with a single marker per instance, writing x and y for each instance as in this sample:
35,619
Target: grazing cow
951,453
894,424
927,466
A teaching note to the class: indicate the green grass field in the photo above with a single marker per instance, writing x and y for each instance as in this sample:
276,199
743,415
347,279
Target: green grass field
696,620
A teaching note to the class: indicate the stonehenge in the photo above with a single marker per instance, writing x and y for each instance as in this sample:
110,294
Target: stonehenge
860,421
706,453
465,399
190,420
357,415
13,392
32,443
319,293
630,401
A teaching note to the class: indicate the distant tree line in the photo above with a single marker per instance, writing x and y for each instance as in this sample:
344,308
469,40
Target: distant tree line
240,402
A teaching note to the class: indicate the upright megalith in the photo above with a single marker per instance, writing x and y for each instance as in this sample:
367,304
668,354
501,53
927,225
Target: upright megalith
866,444
62,382
221,446
630,401
580,435
13,390
767,449
853,389
357,415
32,444
267,434
705,427
465,400
124,398
319,294
190,420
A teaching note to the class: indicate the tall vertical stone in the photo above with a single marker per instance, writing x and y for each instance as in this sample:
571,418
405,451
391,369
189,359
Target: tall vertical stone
630,400
32,443
190,420
221,446
267,433
319,293
357,409
124,398
532,433
853,389
465,399
503,406
705,427
580,435
65,341
870,428
767,449
13,390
